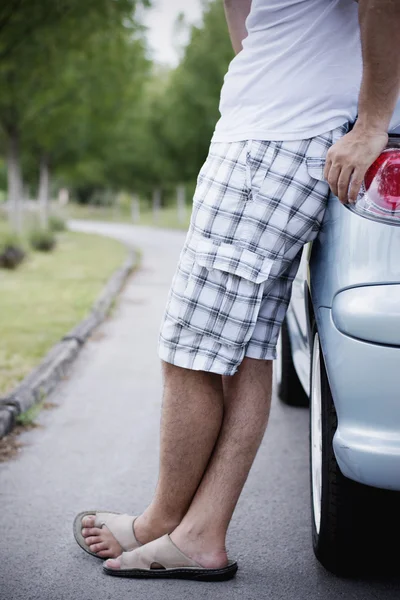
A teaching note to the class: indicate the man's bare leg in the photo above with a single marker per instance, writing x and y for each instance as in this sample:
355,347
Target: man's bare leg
192,413
202,532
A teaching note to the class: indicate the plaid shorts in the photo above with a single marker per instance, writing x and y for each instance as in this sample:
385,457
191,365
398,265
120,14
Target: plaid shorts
256,204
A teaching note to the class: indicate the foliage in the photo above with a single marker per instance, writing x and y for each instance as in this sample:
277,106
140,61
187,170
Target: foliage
63,67
76,87
11,256
192,97
12,251
57,224
29,417
42,240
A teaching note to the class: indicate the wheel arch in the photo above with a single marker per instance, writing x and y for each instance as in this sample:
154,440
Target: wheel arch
310,315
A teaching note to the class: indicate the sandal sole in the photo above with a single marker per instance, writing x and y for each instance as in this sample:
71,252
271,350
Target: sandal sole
210,575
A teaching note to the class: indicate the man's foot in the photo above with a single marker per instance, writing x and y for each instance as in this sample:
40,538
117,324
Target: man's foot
104,544
208,554
100,540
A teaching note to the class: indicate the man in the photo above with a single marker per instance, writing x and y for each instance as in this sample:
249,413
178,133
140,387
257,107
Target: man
286,105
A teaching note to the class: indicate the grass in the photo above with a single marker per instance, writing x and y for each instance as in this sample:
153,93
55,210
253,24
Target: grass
47,295
29,416
168,217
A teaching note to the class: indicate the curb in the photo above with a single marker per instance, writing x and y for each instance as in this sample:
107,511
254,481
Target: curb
55,365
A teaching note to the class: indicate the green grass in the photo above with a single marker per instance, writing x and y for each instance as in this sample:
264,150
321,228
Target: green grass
29,417
168,217
47,295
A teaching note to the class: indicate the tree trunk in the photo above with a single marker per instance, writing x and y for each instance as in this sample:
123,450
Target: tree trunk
157,198
135,208
44,191
14,181
181,203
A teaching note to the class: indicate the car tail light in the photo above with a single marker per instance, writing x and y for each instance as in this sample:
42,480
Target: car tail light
379,196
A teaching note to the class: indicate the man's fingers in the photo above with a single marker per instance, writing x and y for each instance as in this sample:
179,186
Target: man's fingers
333,178
327,168
343,184
355,185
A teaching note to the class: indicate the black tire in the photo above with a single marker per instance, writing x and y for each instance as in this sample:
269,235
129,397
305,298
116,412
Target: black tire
357,522
290,390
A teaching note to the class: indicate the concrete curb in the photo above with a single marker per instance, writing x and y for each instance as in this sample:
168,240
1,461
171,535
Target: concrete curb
55,365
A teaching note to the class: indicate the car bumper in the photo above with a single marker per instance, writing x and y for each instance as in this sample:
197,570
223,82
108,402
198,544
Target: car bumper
364,379
370,313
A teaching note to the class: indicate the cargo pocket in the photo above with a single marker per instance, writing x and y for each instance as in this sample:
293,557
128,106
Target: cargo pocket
315,168
224,290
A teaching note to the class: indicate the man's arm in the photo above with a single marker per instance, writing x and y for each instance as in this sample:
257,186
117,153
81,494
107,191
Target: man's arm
351,156
237,12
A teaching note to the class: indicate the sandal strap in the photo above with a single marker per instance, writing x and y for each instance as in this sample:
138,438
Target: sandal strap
159,553
121,527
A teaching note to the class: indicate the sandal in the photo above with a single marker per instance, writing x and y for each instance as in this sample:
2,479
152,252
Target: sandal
161,559
121,527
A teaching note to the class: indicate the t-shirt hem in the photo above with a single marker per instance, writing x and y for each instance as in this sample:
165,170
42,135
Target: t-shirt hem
269,135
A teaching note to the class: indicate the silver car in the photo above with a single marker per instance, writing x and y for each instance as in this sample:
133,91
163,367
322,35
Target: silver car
339,352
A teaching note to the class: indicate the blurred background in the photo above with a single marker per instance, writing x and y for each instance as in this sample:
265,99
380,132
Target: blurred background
107,108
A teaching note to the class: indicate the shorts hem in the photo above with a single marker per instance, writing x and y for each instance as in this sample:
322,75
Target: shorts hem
184,360
269,354
195,363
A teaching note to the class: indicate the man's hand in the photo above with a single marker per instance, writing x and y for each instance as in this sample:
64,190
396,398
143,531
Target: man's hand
349,159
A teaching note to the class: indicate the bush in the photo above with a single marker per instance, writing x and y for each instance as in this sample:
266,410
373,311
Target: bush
43,240
57,223
11,252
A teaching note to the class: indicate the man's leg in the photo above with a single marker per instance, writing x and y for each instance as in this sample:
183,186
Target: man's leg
192,413
247,400
202,532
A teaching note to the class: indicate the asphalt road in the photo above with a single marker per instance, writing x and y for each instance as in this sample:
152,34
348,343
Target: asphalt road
97,448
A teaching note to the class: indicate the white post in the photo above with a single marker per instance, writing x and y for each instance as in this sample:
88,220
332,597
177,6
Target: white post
135,208
156,204
15,184
181,203
63,197
44,192
117,206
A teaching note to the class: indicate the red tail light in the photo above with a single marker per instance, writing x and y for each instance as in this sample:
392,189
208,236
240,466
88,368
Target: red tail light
379,197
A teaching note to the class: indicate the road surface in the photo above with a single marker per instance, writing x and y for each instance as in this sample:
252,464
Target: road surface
97,448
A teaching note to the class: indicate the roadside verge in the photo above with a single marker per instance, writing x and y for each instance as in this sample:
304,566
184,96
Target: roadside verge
55,365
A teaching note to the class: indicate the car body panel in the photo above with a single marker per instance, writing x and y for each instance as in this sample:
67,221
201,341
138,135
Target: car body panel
352,251
364,383
370,313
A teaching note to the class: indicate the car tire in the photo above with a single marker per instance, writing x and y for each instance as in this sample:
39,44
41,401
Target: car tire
289,387
352,524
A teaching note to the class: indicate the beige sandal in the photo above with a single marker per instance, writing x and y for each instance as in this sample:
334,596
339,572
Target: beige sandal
161,559
121,527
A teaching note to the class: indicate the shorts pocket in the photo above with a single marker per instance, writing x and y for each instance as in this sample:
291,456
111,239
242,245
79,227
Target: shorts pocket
315,168
224,290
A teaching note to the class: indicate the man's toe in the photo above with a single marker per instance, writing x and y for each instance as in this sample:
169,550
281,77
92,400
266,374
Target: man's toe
101,546
94,539
93,531
113,563
88,521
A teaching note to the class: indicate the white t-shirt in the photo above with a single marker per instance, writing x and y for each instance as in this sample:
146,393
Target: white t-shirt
298,74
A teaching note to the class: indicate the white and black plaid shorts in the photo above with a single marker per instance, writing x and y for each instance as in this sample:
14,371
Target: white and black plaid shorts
256,204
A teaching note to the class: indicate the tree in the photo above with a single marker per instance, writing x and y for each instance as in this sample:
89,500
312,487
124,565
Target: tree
192,97
178,112
84,131
38,38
